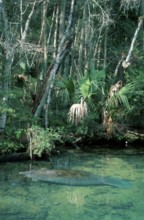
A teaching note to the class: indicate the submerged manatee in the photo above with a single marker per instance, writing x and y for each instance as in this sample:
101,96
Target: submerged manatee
75,178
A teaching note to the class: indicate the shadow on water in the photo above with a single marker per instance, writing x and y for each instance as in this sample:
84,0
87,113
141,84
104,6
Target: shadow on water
22,198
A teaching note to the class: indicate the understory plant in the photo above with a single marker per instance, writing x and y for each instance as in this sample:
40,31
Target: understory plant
42,141
8,146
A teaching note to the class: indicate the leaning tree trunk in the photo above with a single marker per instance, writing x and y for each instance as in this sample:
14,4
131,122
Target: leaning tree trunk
126,63
64,45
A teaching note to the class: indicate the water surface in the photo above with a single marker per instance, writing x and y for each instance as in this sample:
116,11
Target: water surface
23,199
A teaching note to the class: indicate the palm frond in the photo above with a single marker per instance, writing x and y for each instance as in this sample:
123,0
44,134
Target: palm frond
65,88
90,83
97,75
77,112
123,100
121,97
85,87
127,89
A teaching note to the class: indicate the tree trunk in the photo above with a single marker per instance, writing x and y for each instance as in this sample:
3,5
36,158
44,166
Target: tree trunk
64,45
45,5
141,13
9,51
9,48
27,24
81,44
62,19
126,62
56,32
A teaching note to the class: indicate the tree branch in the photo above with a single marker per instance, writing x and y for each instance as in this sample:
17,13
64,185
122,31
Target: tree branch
24,34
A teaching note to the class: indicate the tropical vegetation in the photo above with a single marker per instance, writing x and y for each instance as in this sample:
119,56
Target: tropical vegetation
71,73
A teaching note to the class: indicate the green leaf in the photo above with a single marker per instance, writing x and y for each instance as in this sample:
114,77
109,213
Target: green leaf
23,65
97,75
70,86
86,87
66,85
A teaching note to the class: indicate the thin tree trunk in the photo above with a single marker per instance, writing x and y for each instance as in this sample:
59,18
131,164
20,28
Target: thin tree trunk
64,45
62,19
82,42
56,32
72,60
24,34
45,5
9,48
50,30
105,48
24,31
126,62
87,39
62,28
7,67
44,36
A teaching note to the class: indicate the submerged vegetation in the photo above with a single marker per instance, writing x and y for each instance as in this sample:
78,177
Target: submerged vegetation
70,73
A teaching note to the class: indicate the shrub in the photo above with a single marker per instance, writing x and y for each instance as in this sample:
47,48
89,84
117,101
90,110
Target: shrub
42,141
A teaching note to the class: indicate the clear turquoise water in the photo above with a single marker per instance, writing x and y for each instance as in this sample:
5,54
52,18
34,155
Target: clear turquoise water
23,199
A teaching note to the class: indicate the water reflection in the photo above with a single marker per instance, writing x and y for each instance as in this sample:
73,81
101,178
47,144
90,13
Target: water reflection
23,199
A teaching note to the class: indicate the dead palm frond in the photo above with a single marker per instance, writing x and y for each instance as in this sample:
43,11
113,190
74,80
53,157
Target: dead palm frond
77,112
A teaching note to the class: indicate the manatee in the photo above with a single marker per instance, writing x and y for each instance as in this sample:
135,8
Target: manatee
75,178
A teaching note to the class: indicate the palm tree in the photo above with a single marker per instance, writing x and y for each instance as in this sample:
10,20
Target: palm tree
113,105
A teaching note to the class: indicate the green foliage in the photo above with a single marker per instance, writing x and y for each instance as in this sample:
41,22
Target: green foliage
43,141
91,82
18,133
90,126
136,99
9,143
5,107
65,88
86,87
20,101
99,46
23,66
8,146
120,99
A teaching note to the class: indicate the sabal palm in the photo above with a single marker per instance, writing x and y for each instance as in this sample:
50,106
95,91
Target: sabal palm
120,99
